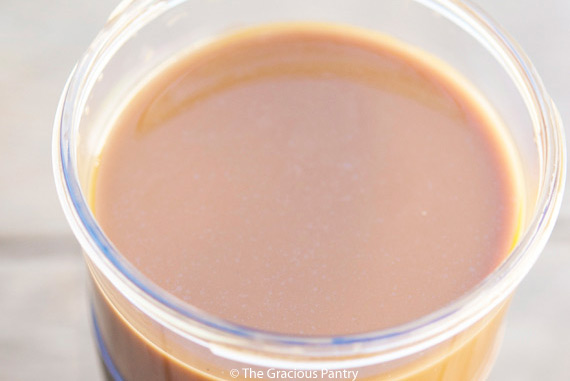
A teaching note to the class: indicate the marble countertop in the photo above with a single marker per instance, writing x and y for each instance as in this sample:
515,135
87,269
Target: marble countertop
44,315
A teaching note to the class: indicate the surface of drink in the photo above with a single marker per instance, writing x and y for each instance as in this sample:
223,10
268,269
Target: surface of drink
310,180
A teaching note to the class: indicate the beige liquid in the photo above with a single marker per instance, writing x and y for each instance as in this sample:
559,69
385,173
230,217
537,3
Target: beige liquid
307,181
310,180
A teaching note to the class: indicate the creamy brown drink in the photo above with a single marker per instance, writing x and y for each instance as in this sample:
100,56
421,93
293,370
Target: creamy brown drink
309,180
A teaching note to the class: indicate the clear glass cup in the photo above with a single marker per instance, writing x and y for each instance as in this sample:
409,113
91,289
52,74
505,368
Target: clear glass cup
146,334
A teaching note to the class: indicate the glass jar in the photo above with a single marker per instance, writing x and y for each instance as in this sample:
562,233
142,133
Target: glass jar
146,334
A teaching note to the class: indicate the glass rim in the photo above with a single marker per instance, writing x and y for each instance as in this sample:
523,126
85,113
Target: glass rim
197,325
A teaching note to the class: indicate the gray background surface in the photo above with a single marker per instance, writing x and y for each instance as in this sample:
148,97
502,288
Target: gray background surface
44,316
